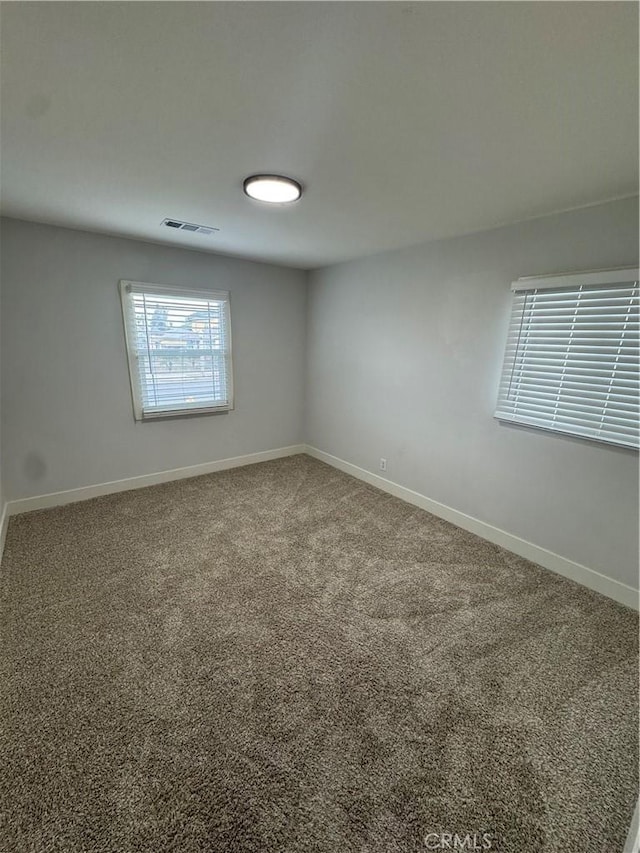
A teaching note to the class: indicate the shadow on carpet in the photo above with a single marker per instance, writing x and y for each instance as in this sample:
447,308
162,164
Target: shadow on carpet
282,658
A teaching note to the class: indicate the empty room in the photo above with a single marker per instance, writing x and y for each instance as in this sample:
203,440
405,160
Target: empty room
319,427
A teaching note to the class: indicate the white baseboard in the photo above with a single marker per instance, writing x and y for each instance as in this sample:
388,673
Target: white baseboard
86,492
4,523
620,592
632,844
548,559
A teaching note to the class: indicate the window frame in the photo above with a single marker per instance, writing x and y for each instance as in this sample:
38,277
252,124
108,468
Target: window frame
556,283
125,288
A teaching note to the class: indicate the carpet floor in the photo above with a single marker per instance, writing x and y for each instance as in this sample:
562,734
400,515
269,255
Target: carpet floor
282,658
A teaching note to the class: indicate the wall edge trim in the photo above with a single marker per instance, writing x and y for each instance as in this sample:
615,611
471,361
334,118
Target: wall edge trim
4,523
83,493
583,575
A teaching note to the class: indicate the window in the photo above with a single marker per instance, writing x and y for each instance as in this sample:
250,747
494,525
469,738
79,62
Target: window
179,349
571,361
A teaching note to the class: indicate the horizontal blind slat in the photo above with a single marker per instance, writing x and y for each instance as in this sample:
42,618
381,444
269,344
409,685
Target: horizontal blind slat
179,345
571,362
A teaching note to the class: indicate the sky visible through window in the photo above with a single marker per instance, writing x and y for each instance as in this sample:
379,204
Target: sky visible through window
181,350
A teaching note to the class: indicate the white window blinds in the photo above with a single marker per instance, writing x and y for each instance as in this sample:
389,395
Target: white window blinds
571,360
179,349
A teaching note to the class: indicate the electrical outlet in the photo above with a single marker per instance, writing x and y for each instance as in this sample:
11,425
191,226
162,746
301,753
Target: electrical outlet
383,464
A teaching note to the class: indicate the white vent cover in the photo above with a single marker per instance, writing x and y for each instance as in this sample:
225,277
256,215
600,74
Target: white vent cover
177,225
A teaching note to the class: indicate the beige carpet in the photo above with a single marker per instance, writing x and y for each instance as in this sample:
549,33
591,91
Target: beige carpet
281,658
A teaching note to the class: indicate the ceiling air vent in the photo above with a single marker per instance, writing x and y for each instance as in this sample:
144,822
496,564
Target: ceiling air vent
189,226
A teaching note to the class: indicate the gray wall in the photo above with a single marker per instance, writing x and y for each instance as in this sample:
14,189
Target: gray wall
404,351
67,418
404,354
2,498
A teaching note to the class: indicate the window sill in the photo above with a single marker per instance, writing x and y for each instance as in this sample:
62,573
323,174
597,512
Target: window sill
182,413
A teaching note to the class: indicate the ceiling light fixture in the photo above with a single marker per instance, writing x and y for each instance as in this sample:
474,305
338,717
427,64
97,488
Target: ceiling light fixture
274,189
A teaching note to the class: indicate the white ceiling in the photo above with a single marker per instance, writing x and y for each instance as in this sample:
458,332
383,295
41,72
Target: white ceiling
405,121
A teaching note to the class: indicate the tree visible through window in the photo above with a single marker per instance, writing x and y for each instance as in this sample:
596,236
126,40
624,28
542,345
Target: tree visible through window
179,349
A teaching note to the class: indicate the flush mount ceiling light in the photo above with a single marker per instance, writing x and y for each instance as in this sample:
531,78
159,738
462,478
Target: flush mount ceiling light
274,189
